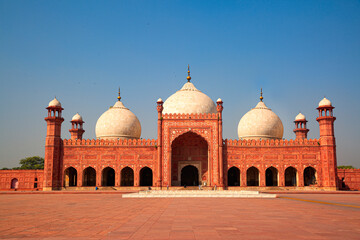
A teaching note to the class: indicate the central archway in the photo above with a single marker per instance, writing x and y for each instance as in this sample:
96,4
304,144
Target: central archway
189,176
189,149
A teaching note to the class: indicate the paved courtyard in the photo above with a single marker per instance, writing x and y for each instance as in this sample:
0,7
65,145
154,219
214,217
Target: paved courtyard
109,216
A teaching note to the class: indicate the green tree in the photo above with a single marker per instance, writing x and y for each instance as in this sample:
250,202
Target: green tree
345,167
35,162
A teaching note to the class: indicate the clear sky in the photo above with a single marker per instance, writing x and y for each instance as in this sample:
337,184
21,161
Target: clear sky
82,51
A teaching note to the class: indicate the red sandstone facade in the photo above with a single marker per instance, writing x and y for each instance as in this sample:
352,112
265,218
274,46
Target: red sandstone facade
190,150
193,142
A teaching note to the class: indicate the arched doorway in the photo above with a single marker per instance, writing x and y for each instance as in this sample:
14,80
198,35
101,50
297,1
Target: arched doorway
14,183
108,177
271,176
189,176
89,177
127,177
189,149
233,176
309,176
70,177
290,177
252,177
146,177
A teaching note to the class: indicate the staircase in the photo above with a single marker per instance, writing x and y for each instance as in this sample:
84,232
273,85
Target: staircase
198,194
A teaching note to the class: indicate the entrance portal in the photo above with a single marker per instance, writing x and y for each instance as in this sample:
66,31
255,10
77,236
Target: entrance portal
189,149
189,176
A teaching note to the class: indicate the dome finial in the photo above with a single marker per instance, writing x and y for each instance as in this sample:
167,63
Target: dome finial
119,95
188,77
261,97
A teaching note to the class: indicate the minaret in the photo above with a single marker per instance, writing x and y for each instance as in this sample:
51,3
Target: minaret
53,147
219,109
327,144
76,130
159,109
300,127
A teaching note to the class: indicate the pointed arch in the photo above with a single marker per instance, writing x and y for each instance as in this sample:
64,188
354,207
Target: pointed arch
252,176
233,176
70,179
189,176
89,177
108,177
127,177
14,183
271,176
309,176
146,177
290,177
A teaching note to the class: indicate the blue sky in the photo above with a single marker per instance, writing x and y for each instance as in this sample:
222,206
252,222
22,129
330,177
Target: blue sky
82,51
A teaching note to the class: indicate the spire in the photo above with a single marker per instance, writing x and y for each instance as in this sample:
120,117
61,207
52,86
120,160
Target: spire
119,95
188,77
261,97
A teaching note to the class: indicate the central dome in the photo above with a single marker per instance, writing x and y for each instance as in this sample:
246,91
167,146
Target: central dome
189,100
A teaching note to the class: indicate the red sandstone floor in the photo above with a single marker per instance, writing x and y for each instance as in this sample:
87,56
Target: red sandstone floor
108,216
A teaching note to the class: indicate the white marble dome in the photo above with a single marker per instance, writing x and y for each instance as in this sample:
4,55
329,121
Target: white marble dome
77,117
299,117
54,103
118,122
189,100
260,123
324,102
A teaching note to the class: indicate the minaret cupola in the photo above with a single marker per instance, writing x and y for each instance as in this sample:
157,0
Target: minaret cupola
76,130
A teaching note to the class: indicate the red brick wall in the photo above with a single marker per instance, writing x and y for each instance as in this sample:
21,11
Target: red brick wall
349,179
116,154
26,179
282,154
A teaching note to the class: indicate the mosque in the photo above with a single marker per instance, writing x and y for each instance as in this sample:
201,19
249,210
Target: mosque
190,149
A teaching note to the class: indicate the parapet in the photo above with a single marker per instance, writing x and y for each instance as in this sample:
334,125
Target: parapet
107,142
272,142
190,116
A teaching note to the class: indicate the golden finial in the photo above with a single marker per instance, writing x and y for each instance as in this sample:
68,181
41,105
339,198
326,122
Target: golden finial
188,77
119,95
261,97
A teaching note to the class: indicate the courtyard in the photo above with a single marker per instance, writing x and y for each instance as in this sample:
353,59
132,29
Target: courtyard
109,216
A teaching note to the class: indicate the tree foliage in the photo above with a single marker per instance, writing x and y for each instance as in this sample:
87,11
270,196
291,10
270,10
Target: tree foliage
345,167
35,162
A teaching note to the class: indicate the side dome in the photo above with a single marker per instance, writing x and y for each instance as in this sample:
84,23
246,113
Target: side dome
77,117
300,117
260,123
54,103
324,102
189,100
118,122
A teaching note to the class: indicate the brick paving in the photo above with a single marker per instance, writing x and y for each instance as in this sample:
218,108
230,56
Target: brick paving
108,216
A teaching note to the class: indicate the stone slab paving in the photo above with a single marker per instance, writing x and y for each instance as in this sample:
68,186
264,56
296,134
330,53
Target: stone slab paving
109,216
